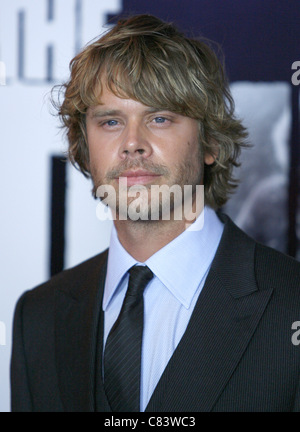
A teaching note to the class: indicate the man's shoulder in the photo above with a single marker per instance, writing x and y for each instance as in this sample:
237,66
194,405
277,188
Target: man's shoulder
233,229
70,281
277,265
239,246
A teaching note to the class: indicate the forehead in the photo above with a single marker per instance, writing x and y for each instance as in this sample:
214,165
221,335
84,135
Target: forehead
110,102
116,85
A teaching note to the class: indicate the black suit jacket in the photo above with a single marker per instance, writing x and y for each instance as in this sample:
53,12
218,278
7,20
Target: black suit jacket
236,354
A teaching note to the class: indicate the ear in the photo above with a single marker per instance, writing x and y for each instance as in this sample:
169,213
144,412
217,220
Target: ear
210,157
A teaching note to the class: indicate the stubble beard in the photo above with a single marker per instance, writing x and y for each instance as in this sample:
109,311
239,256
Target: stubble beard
187,173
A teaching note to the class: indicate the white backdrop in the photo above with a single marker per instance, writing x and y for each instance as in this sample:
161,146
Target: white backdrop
28,137
38,38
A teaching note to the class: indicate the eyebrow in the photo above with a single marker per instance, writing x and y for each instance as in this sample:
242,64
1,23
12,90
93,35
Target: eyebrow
99,113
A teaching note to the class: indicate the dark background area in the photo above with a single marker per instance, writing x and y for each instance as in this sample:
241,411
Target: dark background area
260,38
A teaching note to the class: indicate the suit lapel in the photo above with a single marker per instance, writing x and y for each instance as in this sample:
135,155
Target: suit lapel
78,304
223,322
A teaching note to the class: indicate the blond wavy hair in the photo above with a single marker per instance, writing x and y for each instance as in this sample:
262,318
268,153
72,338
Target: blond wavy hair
150,61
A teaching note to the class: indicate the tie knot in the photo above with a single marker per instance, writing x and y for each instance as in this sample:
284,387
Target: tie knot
138,280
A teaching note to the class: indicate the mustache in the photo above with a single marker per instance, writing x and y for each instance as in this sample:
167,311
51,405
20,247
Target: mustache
127,165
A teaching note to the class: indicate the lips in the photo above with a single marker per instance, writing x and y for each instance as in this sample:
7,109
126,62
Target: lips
139,176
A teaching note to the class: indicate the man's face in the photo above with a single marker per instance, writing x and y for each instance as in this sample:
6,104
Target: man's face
143,145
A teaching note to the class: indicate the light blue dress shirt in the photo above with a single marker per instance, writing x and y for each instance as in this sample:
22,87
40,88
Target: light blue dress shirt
180,269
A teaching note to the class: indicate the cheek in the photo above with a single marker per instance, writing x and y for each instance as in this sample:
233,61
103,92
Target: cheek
94,154
97,158
193,152
97,152
194,162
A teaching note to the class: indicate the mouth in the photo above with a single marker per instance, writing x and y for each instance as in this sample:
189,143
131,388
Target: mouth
139,176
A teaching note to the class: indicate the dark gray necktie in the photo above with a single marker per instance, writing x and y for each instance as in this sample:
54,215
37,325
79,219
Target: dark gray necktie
122,355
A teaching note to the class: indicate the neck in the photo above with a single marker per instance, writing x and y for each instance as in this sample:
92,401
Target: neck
143,239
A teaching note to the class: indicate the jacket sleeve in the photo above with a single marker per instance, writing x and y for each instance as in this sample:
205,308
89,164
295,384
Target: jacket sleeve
20,391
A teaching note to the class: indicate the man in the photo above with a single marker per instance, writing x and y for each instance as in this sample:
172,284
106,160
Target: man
210,324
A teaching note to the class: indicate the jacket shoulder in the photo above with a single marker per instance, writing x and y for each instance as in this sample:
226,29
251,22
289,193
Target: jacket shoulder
239,252
279,269
70,281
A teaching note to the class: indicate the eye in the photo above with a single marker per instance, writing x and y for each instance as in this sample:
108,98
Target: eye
111,123
160,119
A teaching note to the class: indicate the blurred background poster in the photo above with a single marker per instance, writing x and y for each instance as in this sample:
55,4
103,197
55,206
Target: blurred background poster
260,204
48,216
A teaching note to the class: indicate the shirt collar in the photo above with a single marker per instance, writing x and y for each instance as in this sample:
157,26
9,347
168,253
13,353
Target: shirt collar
118,263
180,266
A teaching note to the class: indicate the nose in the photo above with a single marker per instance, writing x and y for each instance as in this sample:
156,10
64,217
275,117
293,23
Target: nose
135,142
